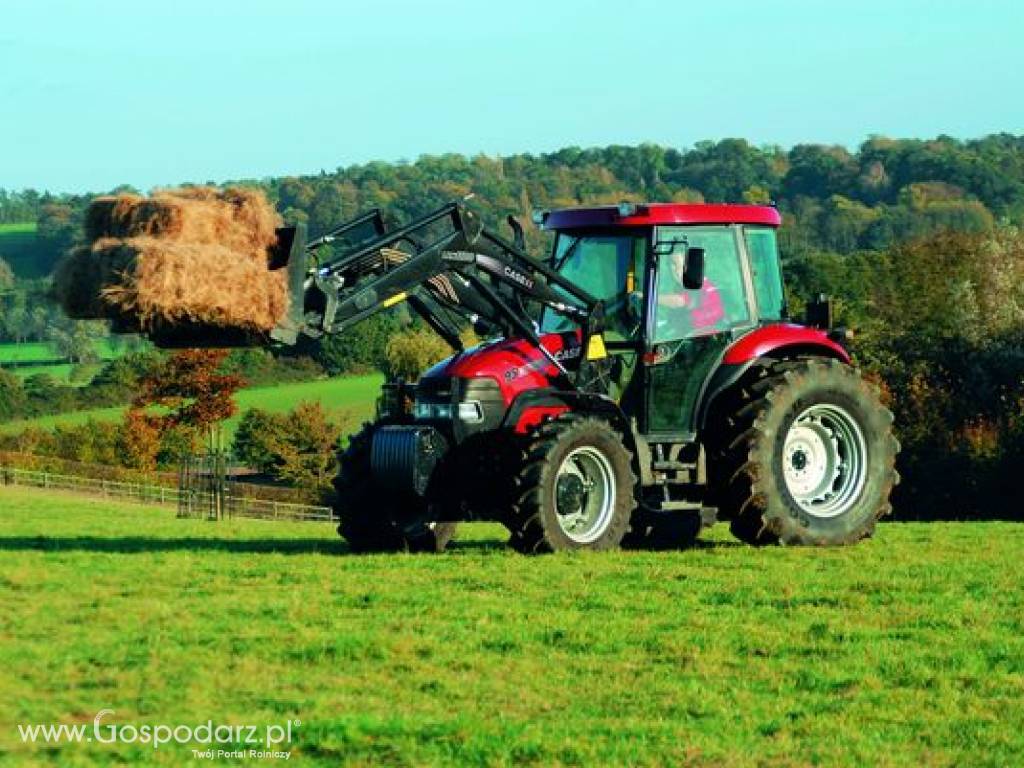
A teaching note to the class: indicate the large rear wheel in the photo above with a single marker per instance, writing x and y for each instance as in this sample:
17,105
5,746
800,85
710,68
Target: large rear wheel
809,457
369,520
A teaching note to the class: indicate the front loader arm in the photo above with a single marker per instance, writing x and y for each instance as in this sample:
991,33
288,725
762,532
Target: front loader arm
446,265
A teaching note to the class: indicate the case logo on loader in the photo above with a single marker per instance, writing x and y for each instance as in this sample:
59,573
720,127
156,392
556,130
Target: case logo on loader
518,277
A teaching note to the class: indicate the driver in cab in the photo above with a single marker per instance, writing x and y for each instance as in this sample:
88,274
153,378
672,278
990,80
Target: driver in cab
686,311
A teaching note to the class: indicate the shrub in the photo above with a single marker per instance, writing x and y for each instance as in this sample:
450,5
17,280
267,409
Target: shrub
944,330
299,447
12,396
361,348
260,367
306,448
138,441
255,437
411,352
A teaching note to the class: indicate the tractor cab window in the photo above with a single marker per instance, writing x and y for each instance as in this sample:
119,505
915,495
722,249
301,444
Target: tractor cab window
764,265
719,305
610,268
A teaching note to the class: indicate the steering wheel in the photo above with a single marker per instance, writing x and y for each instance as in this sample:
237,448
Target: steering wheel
622,306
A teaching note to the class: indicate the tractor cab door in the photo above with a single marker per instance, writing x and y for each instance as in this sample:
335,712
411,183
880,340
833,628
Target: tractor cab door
608,264
688,329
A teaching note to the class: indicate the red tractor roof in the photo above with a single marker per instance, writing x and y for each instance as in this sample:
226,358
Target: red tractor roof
651,214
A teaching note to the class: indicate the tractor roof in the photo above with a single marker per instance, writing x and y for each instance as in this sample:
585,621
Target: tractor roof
651,214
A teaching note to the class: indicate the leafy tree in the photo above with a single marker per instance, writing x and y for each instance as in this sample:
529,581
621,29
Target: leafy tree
818,171
299,447
76,340
6,275
257,434
363,347
305,451
57,228
12,395
138,442
195,394
16,320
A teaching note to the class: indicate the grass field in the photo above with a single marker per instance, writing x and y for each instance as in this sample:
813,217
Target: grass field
61,373
17,246
40,352
349,398
46,361
906,650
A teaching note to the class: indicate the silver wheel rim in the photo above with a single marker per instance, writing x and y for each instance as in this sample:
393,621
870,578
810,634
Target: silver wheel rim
824,461
584,494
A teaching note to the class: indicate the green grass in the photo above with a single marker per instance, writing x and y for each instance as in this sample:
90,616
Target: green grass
62,373
41,352
18,227
18,248
29,352
347,398
46,360
905,650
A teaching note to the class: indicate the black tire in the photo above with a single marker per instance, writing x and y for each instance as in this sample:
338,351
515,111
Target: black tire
751,486
534,519
369,521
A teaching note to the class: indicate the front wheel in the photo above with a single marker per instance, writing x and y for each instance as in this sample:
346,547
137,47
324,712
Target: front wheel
369,520
809,459
574,489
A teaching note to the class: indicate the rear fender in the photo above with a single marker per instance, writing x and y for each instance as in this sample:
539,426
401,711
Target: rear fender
761,348
783,340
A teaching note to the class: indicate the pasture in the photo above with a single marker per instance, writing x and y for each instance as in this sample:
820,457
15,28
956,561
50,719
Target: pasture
31,358
18,246
349,399
905,650
41,353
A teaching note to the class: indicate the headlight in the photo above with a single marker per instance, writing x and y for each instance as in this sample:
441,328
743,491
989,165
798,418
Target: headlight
471,412
433,410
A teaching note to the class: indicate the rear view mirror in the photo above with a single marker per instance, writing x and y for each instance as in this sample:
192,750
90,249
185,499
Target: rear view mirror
693,270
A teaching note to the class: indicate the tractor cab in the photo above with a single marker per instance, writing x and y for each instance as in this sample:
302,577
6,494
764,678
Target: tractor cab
680,283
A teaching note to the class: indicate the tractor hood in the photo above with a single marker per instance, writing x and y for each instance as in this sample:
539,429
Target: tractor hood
515,364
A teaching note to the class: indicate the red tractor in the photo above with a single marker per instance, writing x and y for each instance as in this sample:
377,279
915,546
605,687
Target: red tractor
640,382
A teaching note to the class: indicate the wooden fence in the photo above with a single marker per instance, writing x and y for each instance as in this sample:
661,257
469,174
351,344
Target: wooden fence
235,506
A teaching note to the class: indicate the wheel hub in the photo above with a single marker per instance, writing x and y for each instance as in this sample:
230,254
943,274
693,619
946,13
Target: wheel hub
571,494
824,460
584,494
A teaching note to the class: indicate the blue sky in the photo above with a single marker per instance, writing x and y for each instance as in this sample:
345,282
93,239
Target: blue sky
104,92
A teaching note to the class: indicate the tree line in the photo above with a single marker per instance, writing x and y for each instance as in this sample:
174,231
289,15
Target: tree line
834,199
918,240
